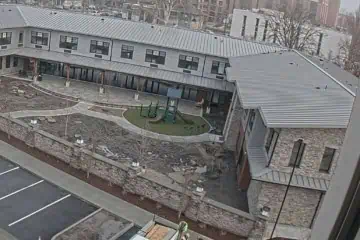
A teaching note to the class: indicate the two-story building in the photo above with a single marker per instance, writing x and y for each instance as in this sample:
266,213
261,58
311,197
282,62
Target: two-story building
121,53
288,114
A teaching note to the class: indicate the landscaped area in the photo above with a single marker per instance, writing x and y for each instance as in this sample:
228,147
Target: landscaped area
19,95
184,125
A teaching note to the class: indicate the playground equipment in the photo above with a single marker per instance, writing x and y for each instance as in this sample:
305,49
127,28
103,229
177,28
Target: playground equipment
171,111
150,111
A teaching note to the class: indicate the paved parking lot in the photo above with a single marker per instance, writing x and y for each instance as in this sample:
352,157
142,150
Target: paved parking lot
31,207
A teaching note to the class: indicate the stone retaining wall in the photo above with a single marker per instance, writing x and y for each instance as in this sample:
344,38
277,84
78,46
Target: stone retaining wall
149,183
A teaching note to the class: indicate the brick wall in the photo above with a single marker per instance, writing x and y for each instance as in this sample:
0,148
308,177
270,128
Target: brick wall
299,207
316,140
150,184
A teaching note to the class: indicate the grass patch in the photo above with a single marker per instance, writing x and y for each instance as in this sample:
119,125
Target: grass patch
179,128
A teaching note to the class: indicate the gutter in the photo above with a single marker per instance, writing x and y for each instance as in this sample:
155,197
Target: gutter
326,73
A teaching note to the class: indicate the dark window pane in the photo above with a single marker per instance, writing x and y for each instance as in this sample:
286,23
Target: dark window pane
297,153
327,159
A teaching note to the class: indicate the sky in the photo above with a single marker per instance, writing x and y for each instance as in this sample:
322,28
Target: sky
350,5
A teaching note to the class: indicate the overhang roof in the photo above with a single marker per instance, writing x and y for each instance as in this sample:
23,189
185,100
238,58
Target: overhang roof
126,68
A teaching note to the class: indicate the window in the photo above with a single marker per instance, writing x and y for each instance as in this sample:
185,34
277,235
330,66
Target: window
21,37
15,62
219,67
251,120
5,38
127,51
154,56
68,42
1,62
243,26
297,153
39,38
327,159
7,63
256,28
188,62
99,47
265,29
271,142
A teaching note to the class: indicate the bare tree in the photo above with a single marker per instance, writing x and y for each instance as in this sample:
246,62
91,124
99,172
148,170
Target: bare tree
292,28
350,48
141,147
67,119
184,200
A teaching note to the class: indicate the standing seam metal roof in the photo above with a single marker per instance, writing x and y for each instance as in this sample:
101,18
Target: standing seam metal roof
115,28
290,91
259,171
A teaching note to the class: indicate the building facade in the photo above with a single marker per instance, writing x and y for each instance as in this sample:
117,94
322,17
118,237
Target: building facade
131,55
288,140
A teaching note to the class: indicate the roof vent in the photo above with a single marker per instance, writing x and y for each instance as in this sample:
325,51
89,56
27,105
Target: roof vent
152,26
291,63
215,37
55,13
102,19
10,10
318,88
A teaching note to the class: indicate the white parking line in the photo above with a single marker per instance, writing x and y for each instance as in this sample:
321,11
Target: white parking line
22,189
10,170
39,210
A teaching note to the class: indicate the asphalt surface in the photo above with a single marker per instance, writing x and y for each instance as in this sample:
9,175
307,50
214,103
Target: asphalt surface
31,207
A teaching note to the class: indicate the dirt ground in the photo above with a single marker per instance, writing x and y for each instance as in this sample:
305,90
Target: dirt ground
102,225
17,95
168,158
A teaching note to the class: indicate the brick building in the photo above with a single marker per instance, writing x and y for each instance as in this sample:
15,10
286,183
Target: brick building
288,112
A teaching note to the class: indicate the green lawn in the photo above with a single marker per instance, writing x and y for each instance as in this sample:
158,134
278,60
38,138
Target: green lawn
179,128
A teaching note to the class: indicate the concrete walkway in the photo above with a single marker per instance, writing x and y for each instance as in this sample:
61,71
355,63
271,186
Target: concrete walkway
83,190
89,92
83,108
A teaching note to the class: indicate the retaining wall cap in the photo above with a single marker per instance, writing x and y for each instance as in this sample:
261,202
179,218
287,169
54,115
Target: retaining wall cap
229,208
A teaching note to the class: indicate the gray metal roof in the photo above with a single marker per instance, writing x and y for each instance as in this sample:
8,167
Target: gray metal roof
115,28
259,171
340,74
123,68
290,91
283,178
10,17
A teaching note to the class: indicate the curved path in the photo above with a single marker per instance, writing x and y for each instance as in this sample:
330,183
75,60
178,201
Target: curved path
83,108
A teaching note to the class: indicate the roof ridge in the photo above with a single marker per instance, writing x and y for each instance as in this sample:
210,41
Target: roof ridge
326,73
22,15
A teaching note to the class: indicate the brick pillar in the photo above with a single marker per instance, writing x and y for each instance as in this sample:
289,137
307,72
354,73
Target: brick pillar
102,76
35,63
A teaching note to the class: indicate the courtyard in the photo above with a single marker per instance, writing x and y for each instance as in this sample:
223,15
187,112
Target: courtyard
107,132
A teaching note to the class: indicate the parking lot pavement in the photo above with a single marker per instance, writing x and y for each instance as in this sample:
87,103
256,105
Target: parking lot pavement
31,207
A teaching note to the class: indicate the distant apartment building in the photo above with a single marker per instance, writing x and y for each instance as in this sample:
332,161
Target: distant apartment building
333,11
255,26
214,10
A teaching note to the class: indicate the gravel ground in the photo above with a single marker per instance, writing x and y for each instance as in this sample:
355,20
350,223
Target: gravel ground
17,95
103,226
158,155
